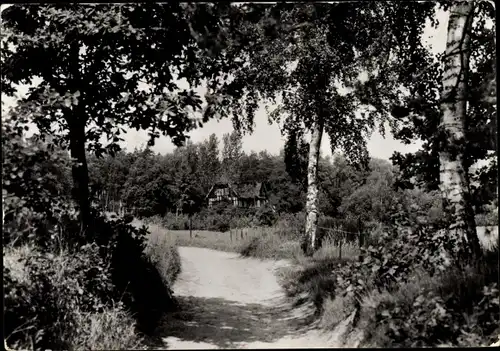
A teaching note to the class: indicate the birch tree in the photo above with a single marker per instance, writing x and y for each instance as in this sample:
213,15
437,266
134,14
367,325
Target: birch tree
310,57
454,179
453,110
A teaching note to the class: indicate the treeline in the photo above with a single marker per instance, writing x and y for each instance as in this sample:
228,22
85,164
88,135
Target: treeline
150,184
174,185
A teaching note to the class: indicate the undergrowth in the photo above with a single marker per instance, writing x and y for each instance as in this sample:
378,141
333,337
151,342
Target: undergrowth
405,292
64,288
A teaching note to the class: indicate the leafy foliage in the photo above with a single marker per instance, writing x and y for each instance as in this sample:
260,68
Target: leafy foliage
57,287
90,89
421,118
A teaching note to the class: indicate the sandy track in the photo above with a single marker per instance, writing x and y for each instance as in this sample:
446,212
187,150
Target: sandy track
232,302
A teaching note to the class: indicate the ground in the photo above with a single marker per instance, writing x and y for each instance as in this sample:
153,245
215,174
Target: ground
231,302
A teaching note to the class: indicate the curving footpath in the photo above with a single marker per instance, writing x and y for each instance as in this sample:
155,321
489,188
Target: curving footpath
232,302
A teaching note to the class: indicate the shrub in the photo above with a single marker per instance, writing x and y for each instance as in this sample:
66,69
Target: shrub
60,303
265,216
39,309
422,297
132,270
458,307
290,226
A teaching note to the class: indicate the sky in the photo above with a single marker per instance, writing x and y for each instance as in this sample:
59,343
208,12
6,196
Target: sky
267,136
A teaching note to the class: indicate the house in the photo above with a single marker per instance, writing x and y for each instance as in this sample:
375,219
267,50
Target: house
246,195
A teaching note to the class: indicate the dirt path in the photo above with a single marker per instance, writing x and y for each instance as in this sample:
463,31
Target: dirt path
232,302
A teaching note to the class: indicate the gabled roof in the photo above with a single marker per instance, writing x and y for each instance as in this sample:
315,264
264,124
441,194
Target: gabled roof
248,189
243,190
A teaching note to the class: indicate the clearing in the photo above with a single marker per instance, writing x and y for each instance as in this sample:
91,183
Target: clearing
232,302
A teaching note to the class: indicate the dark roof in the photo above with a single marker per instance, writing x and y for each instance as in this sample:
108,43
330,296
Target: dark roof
248,189
243,190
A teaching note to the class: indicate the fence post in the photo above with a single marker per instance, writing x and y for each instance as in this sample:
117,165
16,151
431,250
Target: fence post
340,247
361,239
190,227
231,234
241,234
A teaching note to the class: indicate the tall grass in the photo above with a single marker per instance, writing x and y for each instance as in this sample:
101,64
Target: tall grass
42,305
112,329
162,251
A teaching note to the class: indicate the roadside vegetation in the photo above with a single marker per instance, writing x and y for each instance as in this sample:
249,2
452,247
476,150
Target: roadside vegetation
68,289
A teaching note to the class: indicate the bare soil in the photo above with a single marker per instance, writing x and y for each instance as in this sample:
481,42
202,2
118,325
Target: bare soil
231,302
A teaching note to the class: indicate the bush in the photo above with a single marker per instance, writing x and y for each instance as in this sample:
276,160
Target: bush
421,292
66,271
60,303
409,290
88,278
40,308
132,270
458,307
291,226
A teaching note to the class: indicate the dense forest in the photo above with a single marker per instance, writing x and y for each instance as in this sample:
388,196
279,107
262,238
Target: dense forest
146,184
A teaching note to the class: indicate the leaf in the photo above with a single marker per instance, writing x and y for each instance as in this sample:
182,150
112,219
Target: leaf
67,102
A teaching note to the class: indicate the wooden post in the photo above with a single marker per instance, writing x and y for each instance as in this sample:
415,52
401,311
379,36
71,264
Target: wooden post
190,226
241,234
231,234
361,239
340,249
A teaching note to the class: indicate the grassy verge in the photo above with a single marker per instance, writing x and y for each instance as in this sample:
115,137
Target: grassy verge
41,303
456,306
89,295
162,251
258,242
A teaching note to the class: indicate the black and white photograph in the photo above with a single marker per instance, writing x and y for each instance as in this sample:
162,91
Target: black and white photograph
249,175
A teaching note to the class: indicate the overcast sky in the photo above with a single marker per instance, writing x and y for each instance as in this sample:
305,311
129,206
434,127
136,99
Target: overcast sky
268,137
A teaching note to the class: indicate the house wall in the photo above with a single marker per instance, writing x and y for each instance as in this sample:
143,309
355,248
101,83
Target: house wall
220,194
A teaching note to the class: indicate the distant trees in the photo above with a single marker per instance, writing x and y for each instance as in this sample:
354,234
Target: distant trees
231,156
178,182
95,58
209,162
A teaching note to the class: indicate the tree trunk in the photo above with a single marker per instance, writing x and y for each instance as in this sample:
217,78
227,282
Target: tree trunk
76,119
310,239
454,179
80,173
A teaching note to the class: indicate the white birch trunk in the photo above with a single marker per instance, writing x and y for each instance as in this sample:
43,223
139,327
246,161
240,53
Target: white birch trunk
312,189
454,180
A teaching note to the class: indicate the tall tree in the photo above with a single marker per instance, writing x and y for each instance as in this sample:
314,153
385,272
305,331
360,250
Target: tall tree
304,54
452,110
231,156
95,56
454,178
